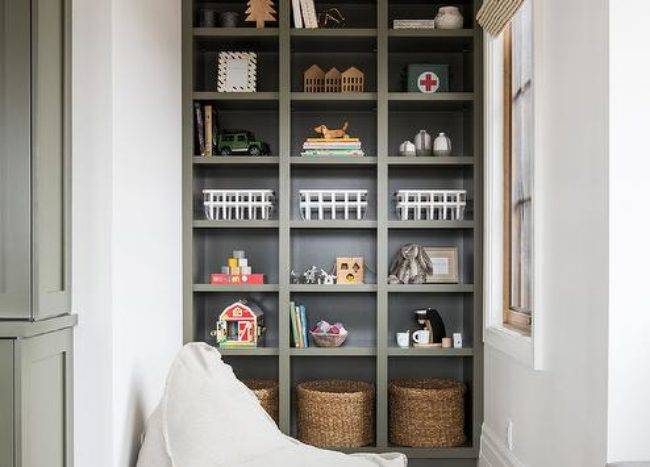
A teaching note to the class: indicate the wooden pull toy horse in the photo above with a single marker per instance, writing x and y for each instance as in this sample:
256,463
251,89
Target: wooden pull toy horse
332,134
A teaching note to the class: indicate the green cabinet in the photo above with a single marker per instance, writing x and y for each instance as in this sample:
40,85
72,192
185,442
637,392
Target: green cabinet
36,374
34,159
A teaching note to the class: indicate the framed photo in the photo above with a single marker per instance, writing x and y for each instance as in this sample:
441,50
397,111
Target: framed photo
237,72
444,262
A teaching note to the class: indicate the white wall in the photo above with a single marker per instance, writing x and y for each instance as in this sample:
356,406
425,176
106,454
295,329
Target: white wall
127,218
629,320
559,414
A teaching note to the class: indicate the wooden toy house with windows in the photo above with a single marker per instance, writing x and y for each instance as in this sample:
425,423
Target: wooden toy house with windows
240,325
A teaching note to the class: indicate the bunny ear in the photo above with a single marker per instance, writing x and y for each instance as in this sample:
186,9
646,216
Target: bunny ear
425,261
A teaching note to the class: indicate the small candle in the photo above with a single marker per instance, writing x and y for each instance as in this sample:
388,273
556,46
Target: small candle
446,342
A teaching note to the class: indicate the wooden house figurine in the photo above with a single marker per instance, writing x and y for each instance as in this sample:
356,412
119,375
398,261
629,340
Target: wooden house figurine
333,80
240,324
349,270
352,80
314,79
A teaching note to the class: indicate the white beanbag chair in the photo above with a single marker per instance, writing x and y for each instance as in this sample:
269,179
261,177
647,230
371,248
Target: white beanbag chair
208,418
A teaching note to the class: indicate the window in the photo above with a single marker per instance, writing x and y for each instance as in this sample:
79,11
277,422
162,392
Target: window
518,171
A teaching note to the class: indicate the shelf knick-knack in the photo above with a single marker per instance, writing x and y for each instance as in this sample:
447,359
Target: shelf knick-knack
442,145
260,11
333,80
352,80
423,143
314,79
449,17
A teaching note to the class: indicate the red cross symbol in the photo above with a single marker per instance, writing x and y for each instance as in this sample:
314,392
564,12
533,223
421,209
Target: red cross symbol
428,82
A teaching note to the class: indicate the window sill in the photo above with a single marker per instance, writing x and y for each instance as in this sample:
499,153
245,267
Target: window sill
511,342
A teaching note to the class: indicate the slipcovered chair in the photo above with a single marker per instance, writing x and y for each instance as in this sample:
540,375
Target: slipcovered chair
208,418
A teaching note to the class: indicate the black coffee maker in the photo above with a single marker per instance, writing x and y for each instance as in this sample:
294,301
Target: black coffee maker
431,320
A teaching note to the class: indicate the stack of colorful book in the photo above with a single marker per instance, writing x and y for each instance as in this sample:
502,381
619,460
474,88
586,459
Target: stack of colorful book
338,147
299,326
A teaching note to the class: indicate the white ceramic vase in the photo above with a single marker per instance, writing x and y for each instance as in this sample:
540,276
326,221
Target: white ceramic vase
449,17
442,145
407,149
423,143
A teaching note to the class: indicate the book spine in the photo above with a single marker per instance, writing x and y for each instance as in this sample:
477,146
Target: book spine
309,13
303,319
199,128
208,130
297,15
299,323
294,323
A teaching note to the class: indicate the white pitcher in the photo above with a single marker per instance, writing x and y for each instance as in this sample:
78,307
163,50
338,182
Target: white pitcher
442,145
422,143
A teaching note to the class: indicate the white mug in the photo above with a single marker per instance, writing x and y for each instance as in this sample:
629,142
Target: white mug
421,336
402,339
458,340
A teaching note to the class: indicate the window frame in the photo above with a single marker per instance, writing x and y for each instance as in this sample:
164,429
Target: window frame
512,317
525,348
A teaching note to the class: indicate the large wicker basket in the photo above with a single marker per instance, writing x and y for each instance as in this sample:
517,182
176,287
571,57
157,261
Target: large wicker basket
426,412
267,392
336,413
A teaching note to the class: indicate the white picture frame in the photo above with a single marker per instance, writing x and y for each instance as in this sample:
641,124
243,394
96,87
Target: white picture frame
444,262
237,72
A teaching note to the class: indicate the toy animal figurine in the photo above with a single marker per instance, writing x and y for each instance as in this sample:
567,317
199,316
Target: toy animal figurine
332,134
411,265
315,275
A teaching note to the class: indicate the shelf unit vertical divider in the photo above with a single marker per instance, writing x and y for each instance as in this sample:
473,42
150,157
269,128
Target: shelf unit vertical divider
382,225
477,361
284,243
189,317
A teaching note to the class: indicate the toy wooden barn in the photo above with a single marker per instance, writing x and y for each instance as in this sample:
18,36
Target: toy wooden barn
314,79
240,324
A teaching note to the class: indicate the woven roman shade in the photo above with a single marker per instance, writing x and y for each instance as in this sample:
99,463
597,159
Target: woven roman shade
495,14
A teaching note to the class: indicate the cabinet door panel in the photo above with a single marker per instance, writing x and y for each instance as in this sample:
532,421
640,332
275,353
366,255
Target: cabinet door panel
15,159
6,402
51,156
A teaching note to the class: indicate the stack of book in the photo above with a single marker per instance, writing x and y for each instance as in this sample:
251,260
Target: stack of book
327,147
298,314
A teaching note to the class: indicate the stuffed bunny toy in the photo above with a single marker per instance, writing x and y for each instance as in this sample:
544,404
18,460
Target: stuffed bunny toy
411,265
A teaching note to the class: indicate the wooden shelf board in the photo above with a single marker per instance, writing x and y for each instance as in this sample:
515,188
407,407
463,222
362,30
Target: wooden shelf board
334,96
234,96
431,288
257,351
434,33
431,352
447,161
333,352
333,160
236,288
235,32
434,97
333,224
253,224
235,160
333,288
338,33
430,224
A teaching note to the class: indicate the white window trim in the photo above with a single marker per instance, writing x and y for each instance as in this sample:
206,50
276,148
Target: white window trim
523,348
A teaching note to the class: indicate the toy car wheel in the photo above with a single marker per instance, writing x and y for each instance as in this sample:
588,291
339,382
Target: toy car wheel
254,151
226,151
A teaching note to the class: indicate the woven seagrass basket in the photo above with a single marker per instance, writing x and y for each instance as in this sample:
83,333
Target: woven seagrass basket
426,412
267,392
336,413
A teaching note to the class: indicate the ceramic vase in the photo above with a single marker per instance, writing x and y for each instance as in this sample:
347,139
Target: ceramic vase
423,143
442,145
208,18
449,17
407,149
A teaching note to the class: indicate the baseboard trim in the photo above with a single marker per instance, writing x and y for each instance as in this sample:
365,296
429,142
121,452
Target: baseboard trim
494,453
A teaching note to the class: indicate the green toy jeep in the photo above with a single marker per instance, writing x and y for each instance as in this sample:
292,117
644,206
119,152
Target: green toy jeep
240,142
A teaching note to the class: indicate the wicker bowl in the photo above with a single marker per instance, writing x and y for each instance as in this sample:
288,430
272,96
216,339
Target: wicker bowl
267,392
336,413
328,340
426,412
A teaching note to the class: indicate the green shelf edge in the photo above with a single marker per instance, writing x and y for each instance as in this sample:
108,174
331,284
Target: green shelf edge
207,288
314,288
235,160
430,288
254,224
333,352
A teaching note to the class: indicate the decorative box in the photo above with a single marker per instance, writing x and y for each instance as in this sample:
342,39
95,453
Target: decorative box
231,279
427,79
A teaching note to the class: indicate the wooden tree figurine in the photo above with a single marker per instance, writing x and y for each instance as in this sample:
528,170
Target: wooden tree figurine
260,11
